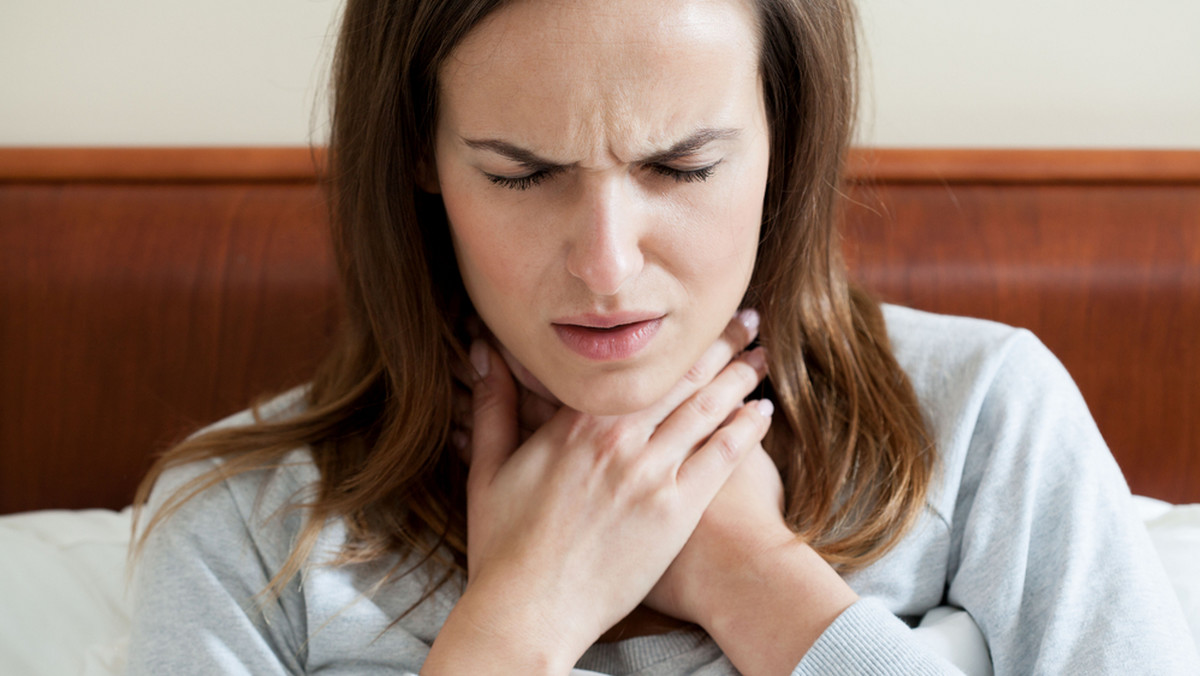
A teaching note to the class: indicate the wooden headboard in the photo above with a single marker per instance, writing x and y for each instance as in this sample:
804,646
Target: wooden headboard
146,292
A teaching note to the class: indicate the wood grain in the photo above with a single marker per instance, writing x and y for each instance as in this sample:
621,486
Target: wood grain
1032,167
165,165
889,165
149,291
134,314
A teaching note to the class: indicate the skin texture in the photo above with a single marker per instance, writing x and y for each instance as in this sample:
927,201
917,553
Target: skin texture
638,485
597,89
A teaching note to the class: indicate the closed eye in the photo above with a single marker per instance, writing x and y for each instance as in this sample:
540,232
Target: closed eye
522,182
685,175
530,180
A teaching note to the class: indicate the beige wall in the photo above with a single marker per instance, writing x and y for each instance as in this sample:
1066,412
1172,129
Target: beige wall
1032,72
939,72
161,72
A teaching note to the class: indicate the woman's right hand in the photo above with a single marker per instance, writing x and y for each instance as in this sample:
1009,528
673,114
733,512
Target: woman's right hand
569,531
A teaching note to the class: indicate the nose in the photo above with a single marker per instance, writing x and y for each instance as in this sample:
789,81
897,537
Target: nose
605,251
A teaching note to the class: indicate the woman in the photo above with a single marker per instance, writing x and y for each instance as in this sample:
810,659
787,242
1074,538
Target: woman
543,443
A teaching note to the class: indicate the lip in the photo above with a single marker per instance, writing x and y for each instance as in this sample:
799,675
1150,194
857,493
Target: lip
608,337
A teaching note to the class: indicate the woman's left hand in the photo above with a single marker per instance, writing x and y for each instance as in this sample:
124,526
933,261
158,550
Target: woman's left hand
761,592
743,521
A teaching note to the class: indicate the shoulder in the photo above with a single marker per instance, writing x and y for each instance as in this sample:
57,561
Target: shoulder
218,535
958,364
991,394
936,350
213,495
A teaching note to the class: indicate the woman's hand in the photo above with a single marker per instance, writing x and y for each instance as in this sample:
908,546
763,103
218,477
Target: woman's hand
569,531
760,591
744,520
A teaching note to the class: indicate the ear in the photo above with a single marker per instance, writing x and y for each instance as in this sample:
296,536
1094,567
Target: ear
426,176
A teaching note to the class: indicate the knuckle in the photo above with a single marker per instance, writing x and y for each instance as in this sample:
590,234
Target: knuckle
727,445
698,374
643,477
614,441
612,438
746,374
485,402
705,404
662,500
579,428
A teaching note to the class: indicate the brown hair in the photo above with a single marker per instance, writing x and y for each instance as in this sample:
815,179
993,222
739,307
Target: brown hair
850,442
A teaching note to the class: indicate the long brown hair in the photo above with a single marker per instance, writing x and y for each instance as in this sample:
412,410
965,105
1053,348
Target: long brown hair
850,441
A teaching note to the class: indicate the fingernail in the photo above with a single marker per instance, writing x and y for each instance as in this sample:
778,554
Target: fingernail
757,359
765,407
479,358
749,319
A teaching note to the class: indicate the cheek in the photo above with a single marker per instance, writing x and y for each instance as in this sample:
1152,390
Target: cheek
722,257
485,255
501,268
744,218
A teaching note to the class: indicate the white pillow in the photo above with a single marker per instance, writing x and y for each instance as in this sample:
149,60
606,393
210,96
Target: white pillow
1175,532
62,581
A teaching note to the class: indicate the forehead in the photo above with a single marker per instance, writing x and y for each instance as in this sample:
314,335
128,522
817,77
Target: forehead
551,69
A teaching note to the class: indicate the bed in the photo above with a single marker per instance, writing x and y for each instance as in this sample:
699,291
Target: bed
148,291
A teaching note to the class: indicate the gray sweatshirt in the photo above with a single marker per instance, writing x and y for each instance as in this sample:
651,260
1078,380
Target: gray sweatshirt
1029,529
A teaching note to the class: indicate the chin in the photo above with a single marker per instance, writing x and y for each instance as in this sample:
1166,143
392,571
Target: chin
612,408
618,397
599,394
609,406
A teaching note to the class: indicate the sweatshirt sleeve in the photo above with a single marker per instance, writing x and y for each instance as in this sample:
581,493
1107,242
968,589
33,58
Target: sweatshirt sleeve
1048,554
196,585
198,601
867,639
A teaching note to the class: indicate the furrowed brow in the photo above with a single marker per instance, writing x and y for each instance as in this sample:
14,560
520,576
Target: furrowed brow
515,153
690,145
530,159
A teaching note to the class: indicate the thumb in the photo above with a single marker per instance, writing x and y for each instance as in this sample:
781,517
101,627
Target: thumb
494,410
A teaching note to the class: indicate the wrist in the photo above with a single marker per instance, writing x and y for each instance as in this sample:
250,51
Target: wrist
489,635
744,563
768,609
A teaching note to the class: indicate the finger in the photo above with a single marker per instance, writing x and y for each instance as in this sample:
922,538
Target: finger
460,441
738,333
494,414
711,406
705,471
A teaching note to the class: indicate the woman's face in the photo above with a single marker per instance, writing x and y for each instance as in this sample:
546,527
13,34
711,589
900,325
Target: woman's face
603,165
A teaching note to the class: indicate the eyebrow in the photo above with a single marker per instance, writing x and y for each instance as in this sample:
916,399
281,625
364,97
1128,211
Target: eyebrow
531,160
